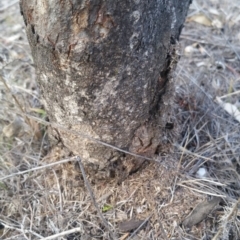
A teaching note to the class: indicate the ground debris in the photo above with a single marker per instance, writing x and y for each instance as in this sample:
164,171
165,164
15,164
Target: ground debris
200,212
130,225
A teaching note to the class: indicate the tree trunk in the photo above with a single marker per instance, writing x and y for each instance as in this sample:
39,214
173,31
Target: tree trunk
105,69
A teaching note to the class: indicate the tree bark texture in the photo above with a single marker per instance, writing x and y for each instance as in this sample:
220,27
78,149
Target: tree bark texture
104,68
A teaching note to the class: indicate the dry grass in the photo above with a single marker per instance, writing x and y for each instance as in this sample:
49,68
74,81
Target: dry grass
44,197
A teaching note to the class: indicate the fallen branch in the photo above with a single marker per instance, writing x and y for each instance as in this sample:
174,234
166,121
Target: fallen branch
94,200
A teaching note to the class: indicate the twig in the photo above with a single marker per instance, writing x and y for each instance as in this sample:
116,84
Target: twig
143,223
100,142
59,190
199,181
23,231
57,126
164,235
234,209
184,36
55,236
22,228
200,191
38,168
162,231
32,216
183,149
93,199
192,153
230,94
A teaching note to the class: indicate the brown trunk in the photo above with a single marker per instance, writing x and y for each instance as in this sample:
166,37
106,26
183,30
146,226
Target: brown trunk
105,70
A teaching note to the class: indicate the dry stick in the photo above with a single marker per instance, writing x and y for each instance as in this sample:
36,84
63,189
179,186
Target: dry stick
184,36
70,159
200,191
55,236
100,142
23,231
229,94
124,236
185,147
59,191
163,231
199,181
38,168
134,233
234,209
32,216
191,153
57,126
93,199
22,227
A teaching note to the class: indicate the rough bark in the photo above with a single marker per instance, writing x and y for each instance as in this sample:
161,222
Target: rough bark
105,69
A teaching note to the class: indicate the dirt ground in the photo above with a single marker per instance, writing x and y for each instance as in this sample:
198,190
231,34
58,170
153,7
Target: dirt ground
193,195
